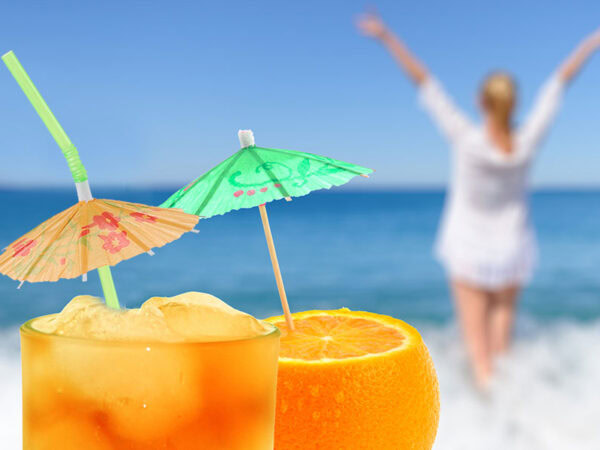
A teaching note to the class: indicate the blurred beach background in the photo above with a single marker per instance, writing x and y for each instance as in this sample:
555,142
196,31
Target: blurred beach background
153,95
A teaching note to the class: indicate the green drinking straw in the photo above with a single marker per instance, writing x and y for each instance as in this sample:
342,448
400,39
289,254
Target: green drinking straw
69,151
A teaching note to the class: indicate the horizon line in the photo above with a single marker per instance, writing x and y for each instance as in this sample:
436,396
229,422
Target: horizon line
363,189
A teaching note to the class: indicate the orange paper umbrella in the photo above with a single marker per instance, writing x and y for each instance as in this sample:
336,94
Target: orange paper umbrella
90,235
93,234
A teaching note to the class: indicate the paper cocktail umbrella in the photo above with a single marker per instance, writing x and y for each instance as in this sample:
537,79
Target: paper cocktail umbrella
256,175
94,233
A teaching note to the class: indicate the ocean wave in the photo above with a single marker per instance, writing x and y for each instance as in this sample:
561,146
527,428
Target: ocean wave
10,390
545,394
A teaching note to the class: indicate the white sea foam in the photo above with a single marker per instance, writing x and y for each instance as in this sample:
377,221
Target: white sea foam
10,390
545,395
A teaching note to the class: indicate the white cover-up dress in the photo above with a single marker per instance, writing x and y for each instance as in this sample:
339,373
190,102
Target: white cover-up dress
486,237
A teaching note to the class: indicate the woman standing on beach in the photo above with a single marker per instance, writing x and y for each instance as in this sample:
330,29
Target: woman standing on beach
486,242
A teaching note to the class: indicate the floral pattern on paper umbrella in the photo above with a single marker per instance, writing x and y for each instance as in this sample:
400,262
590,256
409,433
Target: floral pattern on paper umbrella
23,247
141,217
90,235
114,241
106,221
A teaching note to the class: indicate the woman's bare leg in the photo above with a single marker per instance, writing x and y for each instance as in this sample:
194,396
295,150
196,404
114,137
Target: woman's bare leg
473,306
502,317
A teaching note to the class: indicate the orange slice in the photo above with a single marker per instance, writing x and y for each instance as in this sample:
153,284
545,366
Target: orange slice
333,335
354,380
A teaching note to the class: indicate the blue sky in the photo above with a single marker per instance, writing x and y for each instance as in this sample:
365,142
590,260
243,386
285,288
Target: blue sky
154,92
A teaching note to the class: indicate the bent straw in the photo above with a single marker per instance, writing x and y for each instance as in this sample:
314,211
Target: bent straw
71,155
247,140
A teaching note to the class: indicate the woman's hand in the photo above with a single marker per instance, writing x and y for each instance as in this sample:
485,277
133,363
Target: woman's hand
579,57
371,25
593,40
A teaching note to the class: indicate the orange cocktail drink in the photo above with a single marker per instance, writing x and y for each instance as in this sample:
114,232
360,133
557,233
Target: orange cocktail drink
95,393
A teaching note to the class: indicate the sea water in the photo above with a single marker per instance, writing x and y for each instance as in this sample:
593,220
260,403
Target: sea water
372,251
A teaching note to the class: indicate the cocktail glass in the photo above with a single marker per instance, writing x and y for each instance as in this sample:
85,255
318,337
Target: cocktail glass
93,394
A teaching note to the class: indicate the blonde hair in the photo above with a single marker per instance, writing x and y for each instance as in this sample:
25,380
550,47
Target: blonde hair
498,95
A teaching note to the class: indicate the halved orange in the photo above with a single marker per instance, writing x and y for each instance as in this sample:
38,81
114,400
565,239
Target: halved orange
354,380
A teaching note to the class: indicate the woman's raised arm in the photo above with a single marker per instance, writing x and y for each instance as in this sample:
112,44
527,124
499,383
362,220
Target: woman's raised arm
371,25
548,100
451,121
580,55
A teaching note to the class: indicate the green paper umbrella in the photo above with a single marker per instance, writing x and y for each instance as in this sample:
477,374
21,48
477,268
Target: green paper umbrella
256,175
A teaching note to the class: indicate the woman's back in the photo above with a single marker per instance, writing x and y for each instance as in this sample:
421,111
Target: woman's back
482,171
485,233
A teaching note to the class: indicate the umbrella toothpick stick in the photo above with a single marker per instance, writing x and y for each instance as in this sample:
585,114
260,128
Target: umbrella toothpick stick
246,140
69,151
280,287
